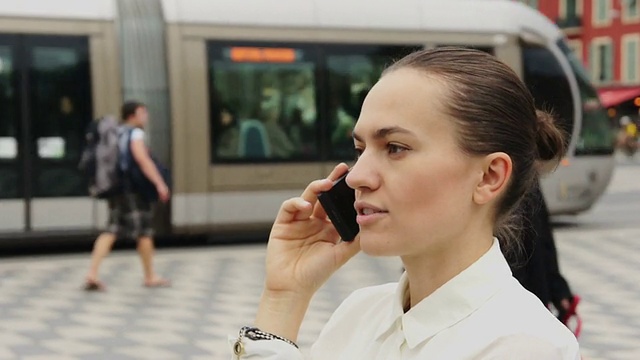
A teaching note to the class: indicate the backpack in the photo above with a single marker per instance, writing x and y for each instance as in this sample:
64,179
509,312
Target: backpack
134,179
99,159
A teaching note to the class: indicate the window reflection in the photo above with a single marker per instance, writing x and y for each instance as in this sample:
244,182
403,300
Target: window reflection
263,103
55,82
49,76
9,145
60,103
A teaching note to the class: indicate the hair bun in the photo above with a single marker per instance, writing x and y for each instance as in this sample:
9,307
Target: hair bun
550,140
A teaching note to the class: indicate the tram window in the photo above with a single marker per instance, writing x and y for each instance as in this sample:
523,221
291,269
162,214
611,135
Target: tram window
549,85
60,103
7,95
8,121
9,175
351,72
596,135
263,102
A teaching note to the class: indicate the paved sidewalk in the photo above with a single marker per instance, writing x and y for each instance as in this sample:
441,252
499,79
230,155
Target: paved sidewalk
45,315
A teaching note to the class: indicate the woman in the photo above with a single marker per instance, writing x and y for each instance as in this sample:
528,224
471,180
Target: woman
447,140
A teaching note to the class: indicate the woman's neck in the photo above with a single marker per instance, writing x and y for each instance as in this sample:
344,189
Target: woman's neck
429,271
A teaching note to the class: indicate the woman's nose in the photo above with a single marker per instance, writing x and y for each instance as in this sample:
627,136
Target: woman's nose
363,174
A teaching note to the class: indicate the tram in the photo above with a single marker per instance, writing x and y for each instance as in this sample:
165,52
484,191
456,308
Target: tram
249,100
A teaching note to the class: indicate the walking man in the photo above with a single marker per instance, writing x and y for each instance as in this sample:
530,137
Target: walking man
130,213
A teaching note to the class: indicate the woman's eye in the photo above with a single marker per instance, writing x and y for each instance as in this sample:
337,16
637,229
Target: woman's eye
395,149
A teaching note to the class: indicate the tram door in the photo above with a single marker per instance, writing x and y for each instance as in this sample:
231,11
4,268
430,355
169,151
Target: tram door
45,106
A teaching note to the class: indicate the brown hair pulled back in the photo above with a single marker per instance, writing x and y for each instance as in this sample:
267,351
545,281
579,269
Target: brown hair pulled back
494,112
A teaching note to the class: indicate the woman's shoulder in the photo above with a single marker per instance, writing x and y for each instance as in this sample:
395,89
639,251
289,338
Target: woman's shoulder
520,319
532,347
515,324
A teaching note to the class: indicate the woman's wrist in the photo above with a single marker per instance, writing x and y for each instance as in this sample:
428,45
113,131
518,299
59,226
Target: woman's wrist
281,312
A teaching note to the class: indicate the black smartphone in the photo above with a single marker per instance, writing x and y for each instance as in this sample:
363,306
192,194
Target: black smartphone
338,204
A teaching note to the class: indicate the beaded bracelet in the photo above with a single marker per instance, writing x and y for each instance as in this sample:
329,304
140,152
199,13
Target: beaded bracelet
253,333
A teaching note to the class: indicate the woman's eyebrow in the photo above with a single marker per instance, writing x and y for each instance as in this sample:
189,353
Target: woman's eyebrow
384,132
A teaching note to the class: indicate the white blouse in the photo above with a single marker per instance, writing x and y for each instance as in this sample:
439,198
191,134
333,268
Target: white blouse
482,313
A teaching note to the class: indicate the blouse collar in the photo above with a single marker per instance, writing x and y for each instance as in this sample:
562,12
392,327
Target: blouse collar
452,302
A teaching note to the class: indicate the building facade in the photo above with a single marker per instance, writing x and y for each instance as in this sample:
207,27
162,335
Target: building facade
605,35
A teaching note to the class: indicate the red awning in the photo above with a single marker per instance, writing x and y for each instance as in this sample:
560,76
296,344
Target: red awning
613,97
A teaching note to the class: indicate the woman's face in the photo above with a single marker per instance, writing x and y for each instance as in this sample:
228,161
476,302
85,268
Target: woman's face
414,185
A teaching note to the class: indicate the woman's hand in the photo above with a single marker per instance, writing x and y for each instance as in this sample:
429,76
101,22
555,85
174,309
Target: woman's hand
304,248
303,251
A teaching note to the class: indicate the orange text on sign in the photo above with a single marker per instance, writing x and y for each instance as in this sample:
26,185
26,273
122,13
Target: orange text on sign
254,54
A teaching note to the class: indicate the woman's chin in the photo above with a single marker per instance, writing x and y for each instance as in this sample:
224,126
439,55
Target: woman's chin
375,244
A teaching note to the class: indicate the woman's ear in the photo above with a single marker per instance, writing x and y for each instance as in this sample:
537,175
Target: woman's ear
497,168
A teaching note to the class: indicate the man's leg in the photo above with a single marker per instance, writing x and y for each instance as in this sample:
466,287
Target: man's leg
101,249
146,250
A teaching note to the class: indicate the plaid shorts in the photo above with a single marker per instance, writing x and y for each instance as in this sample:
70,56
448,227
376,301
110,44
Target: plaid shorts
130,216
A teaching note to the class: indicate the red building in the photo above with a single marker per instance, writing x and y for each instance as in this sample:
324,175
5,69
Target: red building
605,35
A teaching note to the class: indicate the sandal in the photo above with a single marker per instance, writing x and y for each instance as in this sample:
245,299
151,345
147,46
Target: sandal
94,285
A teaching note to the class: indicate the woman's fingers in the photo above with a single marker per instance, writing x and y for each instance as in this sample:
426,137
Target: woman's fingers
304,206
294,209
310,194
338,171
